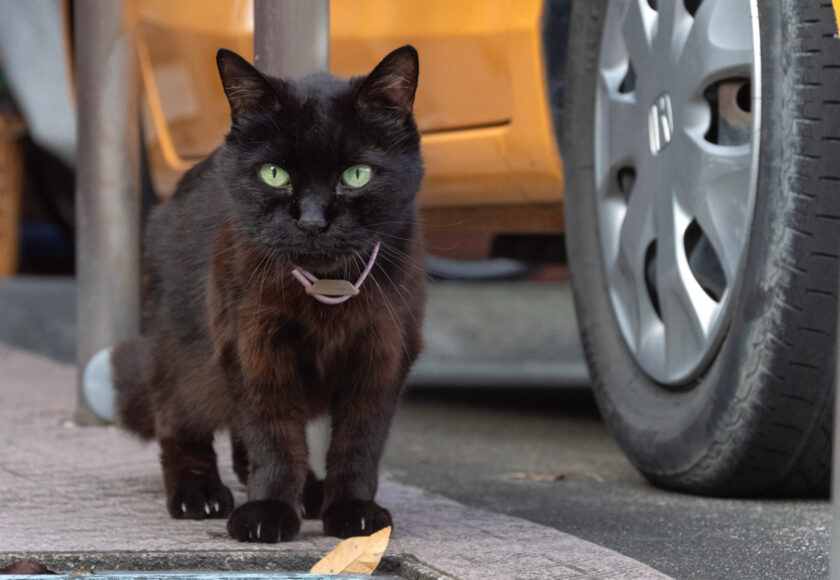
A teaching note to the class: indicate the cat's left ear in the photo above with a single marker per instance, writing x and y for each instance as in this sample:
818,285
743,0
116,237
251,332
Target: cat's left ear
391,86
246,88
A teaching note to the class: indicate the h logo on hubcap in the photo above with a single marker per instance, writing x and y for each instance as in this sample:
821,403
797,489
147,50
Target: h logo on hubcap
660,124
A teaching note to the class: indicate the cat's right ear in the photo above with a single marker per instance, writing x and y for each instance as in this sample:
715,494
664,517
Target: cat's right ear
246,88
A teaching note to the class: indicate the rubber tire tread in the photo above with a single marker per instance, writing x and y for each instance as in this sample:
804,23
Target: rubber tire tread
768,407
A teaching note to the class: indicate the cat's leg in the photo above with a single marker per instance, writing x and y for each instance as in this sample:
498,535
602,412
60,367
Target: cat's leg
194,489
360,423
240,457
189,405
313,488
273,430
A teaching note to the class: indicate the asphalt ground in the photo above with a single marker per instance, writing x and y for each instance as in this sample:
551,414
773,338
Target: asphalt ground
495,450
508,447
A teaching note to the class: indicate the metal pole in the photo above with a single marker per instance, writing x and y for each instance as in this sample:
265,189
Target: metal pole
107,184
292,39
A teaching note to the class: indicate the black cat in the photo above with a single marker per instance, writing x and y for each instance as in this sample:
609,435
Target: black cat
317,179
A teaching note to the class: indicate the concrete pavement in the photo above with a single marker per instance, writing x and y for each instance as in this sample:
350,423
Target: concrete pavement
92,499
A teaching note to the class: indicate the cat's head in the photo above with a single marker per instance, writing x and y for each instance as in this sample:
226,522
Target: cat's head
321,168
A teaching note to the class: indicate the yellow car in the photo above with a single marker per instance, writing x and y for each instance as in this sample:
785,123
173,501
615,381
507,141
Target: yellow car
700,142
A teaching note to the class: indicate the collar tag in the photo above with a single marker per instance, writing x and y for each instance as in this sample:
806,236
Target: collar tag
332,288
333,291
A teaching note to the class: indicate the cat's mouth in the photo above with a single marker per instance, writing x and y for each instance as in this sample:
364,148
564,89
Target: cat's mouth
348,265
322,265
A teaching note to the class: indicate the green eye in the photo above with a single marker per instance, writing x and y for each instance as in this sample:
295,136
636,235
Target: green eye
273,175
357,176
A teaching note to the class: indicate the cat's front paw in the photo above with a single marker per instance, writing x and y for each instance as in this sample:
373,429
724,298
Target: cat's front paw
348,518
200,499
264,521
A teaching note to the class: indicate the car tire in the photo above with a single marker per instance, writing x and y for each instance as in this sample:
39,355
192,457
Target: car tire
750,412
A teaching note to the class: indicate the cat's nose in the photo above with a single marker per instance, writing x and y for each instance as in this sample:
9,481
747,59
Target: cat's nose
312,226
312,219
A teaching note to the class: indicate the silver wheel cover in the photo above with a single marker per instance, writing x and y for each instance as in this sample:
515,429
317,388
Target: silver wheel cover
677,117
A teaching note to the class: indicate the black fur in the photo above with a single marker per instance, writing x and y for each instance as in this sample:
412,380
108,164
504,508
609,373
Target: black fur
229,337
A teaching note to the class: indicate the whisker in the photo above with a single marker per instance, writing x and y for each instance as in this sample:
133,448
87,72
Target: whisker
396,288
266,271
393,316
360,263
256,269
401,263
398,257
378,233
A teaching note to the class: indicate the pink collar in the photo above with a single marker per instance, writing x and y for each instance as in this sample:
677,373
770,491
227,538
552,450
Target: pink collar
333,291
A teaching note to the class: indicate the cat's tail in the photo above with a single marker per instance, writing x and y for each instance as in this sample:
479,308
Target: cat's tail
118,386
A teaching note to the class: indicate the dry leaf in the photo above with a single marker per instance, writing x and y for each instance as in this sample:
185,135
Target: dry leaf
531,476
358,555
